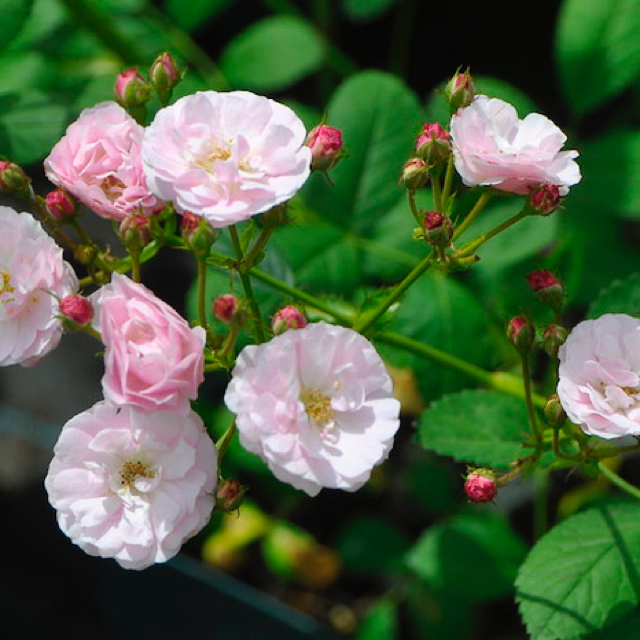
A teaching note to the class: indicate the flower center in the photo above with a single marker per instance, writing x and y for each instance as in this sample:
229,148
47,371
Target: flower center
317,405
112,188
5,282
131,471
207,162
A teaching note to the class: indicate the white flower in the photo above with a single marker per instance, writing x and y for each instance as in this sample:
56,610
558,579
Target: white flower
130,485
316,404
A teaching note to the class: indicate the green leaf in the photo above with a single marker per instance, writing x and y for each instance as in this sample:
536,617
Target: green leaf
361,10
583,574
30,124
474,556
194,14
14,15
45,17
273,54
597,50
481,427
626,629
24,70
372,546
621,296
443,313
380,621
379,118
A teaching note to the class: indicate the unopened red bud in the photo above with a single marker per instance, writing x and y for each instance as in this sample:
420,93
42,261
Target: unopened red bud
438,229
544,199
433,144
521,333
13,179
132,90
60,204
553,338
480,485
76,308
326,147
135,232
225,307
289,317
415,173
197,233
460,91
547,287
229,495
164,75
553,411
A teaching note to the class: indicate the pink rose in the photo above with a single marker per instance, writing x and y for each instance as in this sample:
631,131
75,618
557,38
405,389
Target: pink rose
225,156
132,486
33,277
599,385
153,359
492,147
98,161
317,405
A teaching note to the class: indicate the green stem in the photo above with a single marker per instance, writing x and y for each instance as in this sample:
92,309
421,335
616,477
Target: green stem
225,440
473,214
475,244
246,284
618,481
135,266
436,190
531,412
257,248
202,288
448,183
411,196
610,452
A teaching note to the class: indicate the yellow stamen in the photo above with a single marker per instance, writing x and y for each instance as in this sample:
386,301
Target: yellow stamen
317,405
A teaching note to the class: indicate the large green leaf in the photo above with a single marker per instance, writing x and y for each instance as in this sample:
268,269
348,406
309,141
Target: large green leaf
24,70
30,124
380,621
583,574
379,118
477,543
195,13
273,54
14,15
597,50
442,313
481,427
622,296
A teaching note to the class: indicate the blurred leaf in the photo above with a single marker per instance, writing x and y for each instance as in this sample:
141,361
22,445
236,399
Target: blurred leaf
195,13
272,54
14,16
362,10
480,427
372,546
380,621
379,118
30,124
583,574
622,296
597,50
441,312
626,629
45,17
430,482
23,70
122,6
474,556
97,89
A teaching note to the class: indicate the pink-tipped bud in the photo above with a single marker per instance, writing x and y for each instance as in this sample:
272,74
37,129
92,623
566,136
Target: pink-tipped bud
135,232
553,338
433,144
438,229
60,204
13,179
544,199
521,333
77,309
547,287
164,75
326,147
415,173
225,307
460,91
132,90
197,233
553,411
289,317
229,495
480,485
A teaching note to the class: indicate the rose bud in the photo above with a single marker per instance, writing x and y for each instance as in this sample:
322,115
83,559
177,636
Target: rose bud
520,333
197,233
438,229
460,91
135,232
164,75
480,485
225,307
289,317
415,173
60,204
553,411
229,495
326,147
553,337
132,90
544,199
77,309
433,144
547,287
13,179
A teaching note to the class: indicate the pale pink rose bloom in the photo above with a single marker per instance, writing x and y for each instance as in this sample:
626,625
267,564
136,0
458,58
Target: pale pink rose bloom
599,385
98,161
153,358
132,486
492,147
317,405
33,278
225,156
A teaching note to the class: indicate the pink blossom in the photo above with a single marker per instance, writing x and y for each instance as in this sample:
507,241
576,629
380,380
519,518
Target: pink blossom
153,359
225,156
98,161
33,277
326,147
599,385
316,405
132,486
492,147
